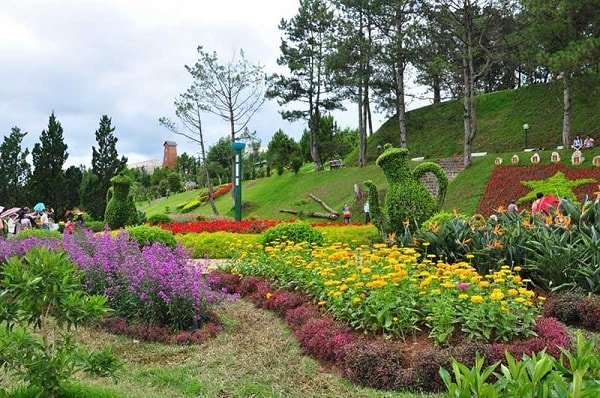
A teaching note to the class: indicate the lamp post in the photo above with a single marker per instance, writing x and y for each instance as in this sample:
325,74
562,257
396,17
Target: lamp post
238,147
526,129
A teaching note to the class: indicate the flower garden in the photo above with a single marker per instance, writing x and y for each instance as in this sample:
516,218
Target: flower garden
462,304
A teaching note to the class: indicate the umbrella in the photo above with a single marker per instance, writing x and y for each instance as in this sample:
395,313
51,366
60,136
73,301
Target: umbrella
10,212
40,207
547,202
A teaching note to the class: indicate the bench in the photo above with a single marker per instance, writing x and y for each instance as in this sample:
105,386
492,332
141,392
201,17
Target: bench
335,164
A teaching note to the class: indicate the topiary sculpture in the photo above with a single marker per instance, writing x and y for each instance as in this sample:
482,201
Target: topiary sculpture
118,208
407,199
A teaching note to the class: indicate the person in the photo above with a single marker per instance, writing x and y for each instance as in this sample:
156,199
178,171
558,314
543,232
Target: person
23,221
512,207
536,205
577,143
367,210
44,220
588,142
346,213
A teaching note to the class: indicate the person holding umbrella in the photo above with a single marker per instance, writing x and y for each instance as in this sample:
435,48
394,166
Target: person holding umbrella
544,203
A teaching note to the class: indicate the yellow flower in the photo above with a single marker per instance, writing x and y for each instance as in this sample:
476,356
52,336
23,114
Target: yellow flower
497,295
484,284
477,299
520,300
513,292
463,296
269,295
436,291
517,268
356,300
469,256
321,302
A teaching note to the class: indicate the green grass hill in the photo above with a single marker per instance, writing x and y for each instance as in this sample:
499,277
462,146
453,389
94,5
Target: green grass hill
434,132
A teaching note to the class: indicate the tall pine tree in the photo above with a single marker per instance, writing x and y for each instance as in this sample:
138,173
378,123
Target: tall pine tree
105,165
14,169
48,179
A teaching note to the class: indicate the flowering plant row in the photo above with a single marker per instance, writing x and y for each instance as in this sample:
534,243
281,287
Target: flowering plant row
221,191
505,185
392,290
153,284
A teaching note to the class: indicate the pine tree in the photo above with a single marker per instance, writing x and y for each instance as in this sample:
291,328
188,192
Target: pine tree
49,155
14,169
105,164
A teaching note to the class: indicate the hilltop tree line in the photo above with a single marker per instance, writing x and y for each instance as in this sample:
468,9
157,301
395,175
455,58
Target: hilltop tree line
336,50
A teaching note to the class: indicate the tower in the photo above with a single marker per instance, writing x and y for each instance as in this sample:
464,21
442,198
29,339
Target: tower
169,154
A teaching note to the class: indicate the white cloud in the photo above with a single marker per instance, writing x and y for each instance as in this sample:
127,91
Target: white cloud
125,58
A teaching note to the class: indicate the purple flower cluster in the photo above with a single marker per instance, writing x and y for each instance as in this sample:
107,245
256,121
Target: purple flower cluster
154,284
17,247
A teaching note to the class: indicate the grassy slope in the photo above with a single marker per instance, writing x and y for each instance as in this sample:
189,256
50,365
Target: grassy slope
437,131
434,131
255,357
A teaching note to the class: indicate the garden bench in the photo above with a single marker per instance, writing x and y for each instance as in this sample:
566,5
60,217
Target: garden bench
335,164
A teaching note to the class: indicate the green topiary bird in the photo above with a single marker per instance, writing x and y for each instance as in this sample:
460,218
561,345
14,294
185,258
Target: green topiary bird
407,199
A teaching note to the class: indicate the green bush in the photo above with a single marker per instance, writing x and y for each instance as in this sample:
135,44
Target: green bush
96,226
43,300
440,219
120,207
191,205
159,218
351,235
147,235
38,233
296,232
218,244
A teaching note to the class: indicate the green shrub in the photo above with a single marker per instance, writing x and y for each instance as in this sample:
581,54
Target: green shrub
119,208
218,244
43,300
96,226
147,235
440,219
191,205
296,232
38,233
353,236
159,218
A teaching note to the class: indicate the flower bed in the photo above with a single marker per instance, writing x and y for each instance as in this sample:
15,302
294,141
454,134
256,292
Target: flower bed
376,361
221,225
390,290
504,183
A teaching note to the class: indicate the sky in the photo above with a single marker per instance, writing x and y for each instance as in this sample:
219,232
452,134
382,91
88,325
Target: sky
125,58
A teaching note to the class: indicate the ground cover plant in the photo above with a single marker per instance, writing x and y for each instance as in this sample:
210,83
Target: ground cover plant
389,290
42,299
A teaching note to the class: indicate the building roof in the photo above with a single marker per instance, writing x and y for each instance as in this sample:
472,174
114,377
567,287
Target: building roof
170,143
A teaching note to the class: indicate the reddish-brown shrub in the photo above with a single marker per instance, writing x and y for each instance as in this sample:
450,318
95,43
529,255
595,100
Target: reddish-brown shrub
379,365
317,338
223,281
281,301
427,365
588,309
297,317
249,284
564,307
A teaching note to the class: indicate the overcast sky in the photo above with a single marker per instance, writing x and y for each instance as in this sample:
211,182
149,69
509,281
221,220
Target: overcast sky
125,58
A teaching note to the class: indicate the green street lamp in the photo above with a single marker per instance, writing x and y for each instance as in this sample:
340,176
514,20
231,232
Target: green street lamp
238,147
526,129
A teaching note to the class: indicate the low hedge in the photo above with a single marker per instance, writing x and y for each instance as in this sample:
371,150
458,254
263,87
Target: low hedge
351,235
217,244
38,233
147,235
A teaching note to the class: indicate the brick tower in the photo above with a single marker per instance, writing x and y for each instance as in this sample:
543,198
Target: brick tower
169,154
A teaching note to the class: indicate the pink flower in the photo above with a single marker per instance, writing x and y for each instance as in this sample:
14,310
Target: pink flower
463,285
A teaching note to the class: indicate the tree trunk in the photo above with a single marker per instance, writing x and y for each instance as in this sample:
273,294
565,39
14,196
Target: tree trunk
203,154
401,105
470,117
437,92
314,140
362,131
566,131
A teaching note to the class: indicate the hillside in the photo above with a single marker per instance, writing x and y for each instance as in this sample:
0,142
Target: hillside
436,131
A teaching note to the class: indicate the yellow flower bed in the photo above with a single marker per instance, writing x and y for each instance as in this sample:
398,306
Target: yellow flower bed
392,290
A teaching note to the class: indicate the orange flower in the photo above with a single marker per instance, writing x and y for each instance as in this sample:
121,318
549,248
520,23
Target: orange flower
501,209
495,244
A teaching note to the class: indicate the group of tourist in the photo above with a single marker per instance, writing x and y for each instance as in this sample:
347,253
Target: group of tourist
25,218
579,144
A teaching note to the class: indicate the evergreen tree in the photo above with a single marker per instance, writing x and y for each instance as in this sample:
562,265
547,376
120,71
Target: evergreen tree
281,149
92,200
308,42
73,178
105,162
14,169
48,183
